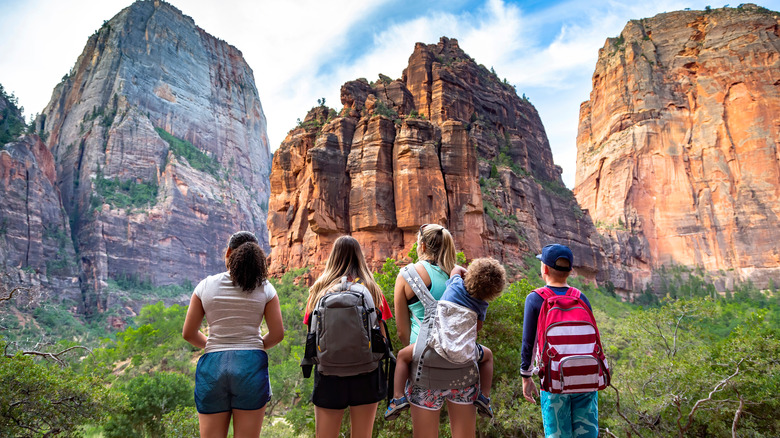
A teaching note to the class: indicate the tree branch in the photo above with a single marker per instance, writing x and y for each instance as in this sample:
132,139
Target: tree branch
622,415
53,356
606,431
737,414
719,387
676,328
13,291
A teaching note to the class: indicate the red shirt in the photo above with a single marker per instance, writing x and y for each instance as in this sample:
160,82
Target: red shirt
384,308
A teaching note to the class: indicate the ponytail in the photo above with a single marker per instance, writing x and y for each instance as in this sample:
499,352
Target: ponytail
246,263
439,246
446,257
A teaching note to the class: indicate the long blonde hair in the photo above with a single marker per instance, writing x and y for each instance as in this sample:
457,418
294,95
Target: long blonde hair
439,246
346,258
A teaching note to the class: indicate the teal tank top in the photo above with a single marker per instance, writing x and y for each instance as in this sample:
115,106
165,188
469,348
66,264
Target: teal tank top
438,285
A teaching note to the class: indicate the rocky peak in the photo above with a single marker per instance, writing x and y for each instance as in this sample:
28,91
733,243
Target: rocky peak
677,145
159,141
448,143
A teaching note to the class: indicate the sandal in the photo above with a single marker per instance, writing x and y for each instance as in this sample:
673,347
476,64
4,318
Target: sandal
396,406
483,406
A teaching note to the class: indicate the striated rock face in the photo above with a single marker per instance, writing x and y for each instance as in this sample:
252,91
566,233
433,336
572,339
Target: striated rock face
678,144
448,143
160,146
34,231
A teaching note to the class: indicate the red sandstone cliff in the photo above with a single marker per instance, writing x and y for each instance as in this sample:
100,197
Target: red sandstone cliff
447,143
678,144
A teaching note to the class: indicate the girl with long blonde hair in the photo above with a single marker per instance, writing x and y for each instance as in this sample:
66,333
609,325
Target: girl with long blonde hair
361,393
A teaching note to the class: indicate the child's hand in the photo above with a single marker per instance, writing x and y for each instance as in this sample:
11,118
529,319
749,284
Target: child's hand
529,389
457,270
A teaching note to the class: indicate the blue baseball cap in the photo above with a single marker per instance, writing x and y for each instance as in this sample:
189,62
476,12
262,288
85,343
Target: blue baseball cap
552,253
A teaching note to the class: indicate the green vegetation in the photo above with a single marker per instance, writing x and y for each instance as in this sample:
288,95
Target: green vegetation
383,110
688,362
12,123
43,399
124,194
194,156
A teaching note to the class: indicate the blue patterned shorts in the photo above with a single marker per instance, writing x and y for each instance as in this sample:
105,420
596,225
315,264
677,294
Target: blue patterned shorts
570,415
433,399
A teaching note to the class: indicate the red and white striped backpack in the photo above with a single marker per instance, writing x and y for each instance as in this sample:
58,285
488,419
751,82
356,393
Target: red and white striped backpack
568,345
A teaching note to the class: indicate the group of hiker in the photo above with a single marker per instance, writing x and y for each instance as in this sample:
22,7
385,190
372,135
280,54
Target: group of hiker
439,308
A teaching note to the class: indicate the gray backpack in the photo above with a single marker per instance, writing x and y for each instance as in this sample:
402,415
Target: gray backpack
344,338
429,368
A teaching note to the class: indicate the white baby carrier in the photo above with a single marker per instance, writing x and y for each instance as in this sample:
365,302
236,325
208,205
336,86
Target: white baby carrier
445,355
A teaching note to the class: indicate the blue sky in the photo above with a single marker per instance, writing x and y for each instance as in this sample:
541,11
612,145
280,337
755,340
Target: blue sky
302,50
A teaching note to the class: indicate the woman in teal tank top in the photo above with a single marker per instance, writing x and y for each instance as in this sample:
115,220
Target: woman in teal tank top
416,309
436,252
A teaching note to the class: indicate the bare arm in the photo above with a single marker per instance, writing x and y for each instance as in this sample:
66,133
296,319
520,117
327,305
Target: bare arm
191,330
403,320
273,319
457,270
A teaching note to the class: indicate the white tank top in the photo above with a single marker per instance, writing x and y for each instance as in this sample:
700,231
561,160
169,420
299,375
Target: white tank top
234,316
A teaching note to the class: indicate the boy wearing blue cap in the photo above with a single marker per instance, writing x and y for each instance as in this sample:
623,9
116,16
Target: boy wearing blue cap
564,415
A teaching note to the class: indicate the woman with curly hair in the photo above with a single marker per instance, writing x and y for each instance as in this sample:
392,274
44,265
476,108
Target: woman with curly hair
231,379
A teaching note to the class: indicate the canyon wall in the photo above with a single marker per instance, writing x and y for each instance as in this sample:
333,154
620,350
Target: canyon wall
160,151
447,143
677,150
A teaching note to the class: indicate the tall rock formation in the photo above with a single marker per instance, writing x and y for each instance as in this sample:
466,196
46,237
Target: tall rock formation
448,143
160,148
35,239
678,145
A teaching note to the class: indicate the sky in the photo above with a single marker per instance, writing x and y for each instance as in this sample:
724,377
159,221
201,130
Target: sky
304,50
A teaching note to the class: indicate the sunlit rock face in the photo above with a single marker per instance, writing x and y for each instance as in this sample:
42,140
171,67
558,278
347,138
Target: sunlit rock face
447,143
160,148
678,145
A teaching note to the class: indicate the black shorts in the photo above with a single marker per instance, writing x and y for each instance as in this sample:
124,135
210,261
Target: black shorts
334,392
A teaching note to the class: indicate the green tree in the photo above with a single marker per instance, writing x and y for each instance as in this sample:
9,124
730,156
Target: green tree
46,399
150,397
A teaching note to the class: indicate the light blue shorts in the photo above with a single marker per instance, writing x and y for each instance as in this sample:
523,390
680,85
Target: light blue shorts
233,379
570,415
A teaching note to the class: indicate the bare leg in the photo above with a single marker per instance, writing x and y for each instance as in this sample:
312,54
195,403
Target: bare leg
425,423
214,425
403,361
247,424
327,422
463,420
486,372
361,420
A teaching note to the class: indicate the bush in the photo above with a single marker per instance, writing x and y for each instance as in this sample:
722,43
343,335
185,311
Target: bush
150,398
40,399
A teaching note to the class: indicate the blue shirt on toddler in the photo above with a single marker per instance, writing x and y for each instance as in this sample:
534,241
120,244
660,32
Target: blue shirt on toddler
456,293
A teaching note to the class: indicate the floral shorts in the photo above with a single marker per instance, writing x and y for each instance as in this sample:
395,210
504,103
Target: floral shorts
433,399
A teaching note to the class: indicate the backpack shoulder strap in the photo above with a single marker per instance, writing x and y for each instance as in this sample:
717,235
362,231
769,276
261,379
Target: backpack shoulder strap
545,292
573,292
412,277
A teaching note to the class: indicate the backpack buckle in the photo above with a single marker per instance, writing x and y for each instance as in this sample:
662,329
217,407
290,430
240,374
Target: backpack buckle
552,352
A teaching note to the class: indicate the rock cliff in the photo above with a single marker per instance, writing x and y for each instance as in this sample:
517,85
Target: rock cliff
677,150
35,239
447,143
160,150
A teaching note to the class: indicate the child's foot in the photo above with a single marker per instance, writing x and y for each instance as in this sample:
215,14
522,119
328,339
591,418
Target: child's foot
483,406
397,405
